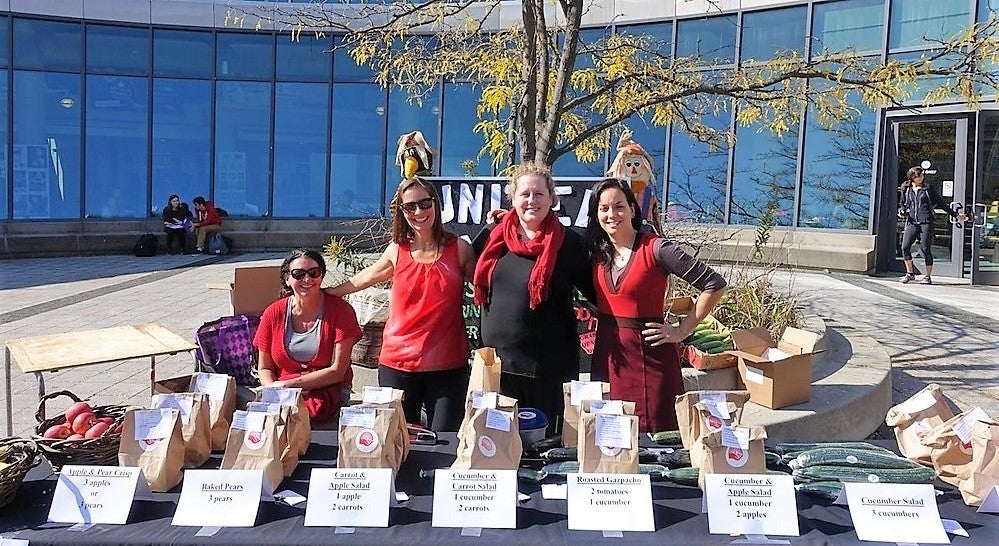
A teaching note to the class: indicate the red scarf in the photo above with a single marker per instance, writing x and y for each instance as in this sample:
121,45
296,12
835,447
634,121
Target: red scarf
545,245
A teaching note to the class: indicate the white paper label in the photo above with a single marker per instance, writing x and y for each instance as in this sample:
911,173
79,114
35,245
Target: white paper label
895,512
179,402
346,497
286,396
248,421
750,504
357,417
609,407
754,375
917,403
377,395
154,424
219,498
475,498
96,494
613,431
963,428
499,420
214,385
610,502
735,437
264,407
483,400
13,541
774,354
585,390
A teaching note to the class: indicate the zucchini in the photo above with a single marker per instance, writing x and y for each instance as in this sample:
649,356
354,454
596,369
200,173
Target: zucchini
872,475
792,447
558,454
715,337
684,476
773,461
667,437
836,456
523,474
827,489
719,349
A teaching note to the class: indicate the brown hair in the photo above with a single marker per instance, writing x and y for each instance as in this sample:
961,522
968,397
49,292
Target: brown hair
295,254
402,232
913,173
528,168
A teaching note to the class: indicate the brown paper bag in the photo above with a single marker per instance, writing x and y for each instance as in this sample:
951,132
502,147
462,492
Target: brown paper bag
254,443
570,415
687,418
951,457
984,472
489,437
196,424
917,417
159,451
221,391
601,458
717,458
300,433
365,438
387,397
708,422
486,369
289,453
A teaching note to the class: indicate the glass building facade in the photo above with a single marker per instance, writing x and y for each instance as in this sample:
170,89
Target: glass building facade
103,121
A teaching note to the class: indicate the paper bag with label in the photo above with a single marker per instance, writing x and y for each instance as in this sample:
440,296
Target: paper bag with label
221,391
917,417
486,368
689,423
710,419
365,438
733,450
584,390
196,424
152,440
387,397
489,438
984,472
254,443
289,454
299,425
608,437
950,456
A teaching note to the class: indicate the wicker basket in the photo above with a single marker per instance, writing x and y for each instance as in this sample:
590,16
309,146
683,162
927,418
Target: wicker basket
92,451
21,454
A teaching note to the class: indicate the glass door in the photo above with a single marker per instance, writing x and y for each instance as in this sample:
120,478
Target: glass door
985,228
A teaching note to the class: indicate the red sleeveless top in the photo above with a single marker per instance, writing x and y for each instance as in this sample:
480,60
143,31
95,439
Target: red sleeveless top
641,286
425,331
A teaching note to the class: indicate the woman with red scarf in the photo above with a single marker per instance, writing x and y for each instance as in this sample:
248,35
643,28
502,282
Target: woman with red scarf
529,267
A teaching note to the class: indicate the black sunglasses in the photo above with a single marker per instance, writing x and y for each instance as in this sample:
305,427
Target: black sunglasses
299,274
422,204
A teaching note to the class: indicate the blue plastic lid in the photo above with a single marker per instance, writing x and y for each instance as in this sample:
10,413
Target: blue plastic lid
531,418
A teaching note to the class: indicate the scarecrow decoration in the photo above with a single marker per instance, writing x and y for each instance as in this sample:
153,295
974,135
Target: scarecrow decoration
634,164
414,156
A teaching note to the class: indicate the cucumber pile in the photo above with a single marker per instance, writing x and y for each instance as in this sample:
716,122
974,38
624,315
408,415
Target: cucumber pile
707,339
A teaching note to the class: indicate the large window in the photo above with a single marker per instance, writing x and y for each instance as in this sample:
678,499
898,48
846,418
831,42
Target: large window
300,149
307,59
46,160
405,116
915,21
181,140
4,40
346,70
242,147
358,148
117,50
117,147
460,145
848,24
764,176
47,45
712,39
244,56
766,34
698,176
183,53
987,8
4,163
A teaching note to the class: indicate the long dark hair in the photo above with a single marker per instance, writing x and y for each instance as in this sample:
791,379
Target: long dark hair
292,256
402,232
601,247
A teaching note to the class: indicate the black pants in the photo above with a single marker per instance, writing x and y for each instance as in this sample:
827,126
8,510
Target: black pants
538,393
441,394
925,234
176,235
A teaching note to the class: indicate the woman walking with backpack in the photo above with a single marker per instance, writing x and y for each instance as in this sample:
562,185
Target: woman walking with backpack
918,201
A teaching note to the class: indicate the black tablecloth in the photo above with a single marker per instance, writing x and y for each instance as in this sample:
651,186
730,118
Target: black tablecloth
539,521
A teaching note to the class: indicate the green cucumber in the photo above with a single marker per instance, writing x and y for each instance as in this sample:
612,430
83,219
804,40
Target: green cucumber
558,454
684,476
870,475
838,456
667,437
829,490
678,458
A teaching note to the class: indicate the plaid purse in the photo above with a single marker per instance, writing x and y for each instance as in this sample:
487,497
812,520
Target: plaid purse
226,346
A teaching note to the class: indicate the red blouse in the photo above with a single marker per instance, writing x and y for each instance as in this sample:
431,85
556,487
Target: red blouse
425,331
642,285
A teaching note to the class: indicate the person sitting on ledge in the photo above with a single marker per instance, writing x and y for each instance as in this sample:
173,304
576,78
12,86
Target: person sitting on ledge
207,221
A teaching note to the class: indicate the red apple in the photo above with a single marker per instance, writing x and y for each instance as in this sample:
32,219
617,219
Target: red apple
57,432
76,409
96,430
108,420
76,437
82,422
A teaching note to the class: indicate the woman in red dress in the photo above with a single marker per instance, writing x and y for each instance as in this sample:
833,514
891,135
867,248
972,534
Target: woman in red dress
636,350
424,346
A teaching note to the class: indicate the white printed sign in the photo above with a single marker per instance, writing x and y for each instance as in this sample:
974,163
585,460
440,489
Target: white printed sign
585,390
286,396
964,427
499,420
613,431
154,424
484,400
97,494
349,497
220,498
212,384
248,421
377,395
895,512
179,402
610,407
610,502
750,504
475,498
357,417
737,437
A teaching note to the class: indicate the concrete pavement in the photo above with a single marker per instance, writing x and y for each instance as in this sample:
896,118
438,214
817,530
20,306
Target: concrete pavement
947,333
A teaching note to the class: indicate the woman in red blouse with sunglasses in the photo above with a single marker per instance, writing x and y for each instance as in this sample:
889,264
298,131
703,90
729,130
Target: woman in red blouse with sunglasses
305,337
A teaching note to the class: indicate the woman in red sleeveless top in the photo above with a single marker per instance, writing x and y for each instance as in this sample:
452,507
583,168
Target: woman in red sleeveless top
424,347
636,350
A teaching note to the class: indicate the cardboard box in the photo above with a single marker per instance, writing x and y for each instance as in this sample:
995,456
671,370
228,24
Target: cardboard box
776,380
677,308
252,289
708,361
172,385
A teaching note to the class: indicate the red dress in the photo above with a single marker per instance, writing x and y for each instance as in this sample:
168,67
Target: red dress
425,331
339,324
649,376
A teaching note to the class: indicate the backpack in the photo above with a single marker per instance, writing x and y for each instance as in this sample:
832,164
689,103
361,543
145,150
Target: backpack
146,246
216,244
